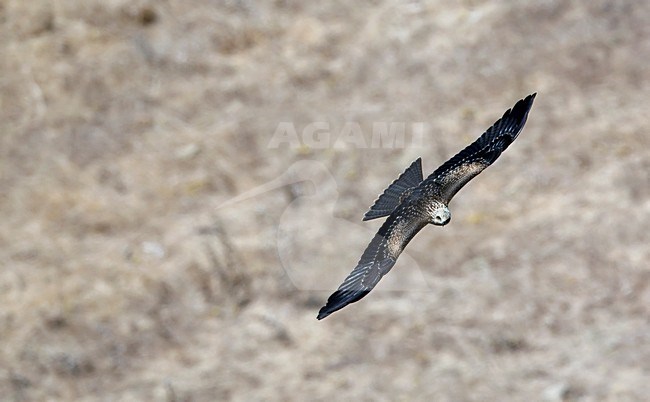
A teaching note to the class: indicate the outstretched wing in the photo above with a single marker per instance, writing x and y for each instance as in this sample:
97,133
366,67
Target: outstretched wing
380,256
459,170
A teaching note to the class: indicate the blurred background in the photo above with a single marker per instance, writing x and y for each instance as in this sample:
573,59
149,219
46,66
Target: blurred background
155,245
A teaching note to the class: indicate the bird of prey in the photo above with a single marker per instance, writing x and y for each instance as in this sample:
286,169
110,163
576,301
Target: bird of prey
411,203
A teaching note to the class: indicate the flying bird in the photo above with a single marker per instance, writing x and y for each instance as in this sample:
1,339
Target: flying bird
411,202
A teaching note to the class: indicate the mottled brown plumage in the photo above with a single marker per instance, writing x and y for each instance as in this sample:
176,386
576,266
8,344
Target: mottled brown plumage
411,203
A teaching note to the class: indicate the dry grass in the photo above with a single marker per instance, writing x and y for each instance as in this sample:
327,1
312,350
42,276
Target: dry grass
124,125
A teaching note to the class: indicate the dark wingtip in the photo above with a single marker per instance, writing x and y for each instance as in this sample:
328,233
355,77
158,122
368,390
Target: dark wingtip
524,105
325,311
340,299
334,303
529,99
519,112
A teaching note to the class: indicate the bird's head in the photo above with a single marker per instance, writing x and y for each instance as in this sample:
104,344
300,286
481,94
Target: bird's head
440,215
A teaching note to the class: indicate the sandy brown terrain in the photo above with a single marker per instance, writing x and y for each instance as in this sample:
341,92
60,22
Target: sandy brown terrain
127,126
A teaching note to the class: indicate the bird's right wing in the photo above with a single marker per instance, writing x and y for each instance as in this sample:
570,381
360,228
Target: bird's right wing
464,166
380,256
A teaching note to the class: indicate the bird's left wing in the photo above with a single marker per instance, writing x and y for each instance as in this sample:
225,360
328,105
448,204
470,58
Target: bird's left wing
378,258
459,170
